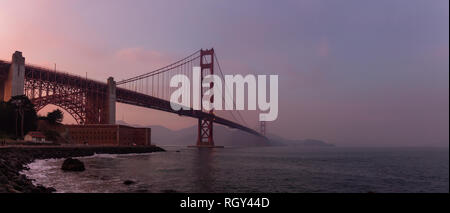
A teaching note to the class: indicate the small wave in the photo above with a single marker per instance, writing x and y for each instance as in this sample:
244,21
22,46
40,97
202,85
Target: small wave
42,164
39,169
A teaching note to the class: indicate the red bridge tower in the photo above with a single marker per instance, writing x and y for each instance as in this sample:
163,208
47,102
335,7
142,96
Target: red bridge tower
205,124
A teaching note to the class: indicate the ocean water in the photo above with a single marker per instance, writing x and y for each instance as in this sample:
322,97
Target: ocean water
256,169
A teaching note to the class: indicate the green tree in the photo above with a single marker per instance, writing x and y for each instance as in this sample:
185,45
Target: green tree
7,119
22,116
55,117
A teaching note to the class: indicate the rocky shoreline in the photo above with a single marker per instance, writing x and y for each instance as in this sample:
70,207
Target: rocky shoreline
14,159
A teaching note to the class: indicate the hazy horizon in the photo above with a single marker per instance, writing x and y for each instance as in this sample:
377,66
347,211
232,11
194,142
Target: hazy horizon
352,73
272,136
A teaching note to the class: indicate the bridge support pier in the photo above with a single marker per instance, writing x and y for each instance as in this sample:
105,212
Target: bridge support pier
205,133
101,104
14,84
262,128
111,101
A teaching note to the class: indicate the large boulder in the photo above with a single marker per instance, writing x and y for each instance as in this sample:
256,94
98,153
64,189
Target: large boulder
129,182
73,165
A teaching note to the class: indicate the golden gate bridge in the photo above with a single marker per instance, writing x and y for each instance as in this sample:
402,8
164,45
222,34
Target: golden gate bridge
93,102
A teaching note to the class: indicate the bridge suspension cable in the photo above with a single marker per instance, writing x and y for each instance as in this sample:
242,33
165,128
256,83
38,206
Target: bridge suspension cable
228,90
169,67
160,79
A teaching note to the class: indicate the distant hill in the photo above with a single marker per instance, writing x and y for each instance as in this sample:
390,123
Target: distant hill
222,136
279,141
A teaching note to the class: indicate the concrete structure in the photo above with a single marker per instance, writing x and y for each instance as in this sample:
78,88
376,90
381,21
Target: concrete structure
111,101
35,137
14,84
107,134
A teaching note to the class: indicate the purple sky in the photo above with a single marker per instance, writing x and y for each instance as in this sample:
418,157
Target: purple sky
352,72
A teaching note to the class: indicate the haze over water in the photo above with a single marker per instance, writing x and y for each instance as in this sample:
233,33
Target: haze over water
256,169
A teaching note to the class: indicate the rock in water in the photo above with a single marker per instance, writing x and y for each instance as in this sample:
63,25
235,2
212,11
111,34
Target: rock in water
128,182
74,165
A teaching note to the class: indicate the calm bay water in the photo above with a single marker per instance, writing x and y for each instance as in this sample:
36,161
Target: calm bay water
256,169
